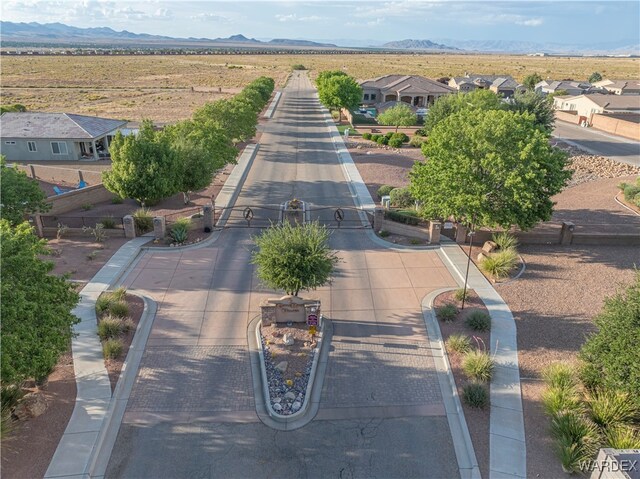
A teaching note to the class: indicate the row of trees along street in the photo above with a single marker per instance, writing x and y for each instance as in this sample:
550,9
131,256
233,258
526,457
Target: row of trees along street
184,157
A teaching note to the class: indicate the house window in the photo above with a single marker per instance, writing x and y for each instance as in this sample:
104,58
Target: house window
9,142
32,146
373,96
59,147
366,96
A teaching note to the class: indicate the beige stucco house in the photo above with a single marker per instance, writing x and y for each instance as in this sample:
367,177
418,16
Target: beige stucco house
588,105
503,85
620,87
417,91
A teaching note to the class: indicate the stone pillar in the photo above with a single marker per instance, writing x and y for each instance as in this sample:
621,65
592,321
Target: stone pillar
129,226
434,232
95,150
378,218
159,228
461,234
566,234
33,171
36,221
207,216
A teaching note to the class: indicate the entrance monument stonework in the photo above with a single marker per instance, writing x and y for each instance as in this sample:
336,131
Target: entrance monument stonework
289,309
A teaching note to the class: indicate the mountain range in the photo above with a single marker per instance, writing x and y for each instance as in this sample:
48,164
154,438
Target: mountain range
418,45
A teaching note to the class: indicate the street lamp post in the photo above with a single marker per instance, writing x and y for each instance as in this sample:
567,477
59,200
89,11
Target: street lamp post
466,276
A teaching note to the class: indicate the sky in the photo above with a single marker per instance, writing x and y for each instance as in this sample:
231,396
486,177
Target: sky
573,22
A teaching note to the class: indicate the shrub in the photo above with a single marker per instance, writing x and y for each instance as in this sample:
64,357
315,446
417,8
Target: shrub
459,343
366,136
401,136
416,141
143,220
421,132
560,400
375,137
179,234
103,303
559,376
395,142
382,140
87,206
447,313
116,200
475,395
401,217
383,234
109,327
98,232
479,321
384,190
128,325
118,294
298,66
112,348
62,230
505,240
576,440
108,222
388,135
183,223
119,309
622,437
401,197
611,408
461,294
478,365
630,192
500,264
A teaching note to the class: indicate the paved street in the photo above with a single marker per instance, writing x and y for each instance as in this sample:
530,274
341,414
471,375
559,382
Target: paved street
192,410
600,143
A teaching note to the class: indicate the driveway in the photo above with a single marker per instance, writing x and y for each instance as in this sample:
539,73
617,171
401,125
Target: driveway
192,411
599,143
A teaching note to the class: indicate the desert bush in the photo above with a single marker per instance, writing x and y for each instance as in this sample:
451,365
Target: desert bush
499,265
559,376
116,200
383,233
179,233
478,365
119,309
87,206
108,222
505,240
98,232
560,400
631,192
447,313
395,143
128,325
459,343
382,140
401,216
401,136
61,231
366,136
622,437
576,440
102,303
416,141
461,294
475,395
143,220
118,294
112,348
109,327
388,135
384,190
298,66
479,321
375,137
611,408
401,197
183,222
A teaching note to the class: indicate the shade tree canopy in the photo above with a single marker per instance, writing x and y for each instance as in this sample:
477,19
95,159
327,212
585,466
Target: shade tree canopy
398,115
339,91
19,195
530,81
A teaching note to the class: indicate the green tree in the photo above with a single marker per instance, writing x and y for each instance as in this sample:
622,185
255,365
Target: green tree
530,81
594,77
19,195
557,93
202,149
143,166
610,355
449,104
539,105
489,168
236,117
339,92
35,308
325,75
398,115
294,258
16,107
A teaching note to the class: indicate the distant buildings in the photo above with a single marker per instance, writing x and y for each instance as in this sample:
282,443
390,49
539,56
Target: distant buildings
598,103
620,87
547,87
503,85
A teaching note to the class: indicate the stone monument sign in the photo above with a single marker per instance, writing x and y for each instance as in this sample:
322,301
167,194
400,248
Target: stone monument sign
289,309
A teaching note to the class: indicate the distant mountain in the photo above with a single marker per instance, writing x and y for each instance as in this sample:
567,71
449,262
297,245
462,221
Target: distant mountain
621,47
60,33
417,45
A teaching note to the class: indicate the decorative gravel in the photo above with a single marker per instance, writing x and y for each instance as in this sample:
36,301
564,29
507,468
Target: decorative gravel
287,399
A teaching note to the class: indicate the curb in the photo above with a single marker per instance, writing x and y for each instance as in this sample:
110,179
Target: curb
272,107
463,446
113,418
311,403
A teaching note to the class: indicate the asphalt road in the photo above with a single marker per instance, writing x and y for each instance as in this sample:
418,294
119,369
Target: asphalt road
599,143
191,412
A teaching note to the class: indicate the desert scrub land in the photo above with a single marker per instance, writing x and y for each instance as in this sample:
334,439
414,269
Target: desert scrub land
168,88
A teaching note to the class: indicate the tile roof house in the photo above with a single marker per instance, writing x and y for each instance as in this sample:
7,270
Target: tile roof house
39,136
417,91
574,88
504,85
620,87
587,105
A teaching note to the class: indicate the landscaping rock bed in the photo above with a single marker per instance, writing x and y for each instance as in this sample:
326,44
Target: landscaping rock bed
288,367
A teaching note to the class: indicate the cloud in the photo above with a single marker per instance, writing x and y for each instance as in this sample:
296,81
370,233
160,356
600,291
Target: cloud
370,23
531,22
211,17
293,17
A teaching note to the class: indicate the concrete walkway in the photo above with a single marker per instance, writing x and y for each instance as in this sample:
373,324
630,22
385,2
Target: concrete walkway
76,447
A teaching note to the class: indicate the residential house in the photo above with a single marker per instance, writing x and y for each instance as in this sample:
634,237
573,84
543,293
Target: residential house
588,105
620,87
39,136
417,91
503,85
572,88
